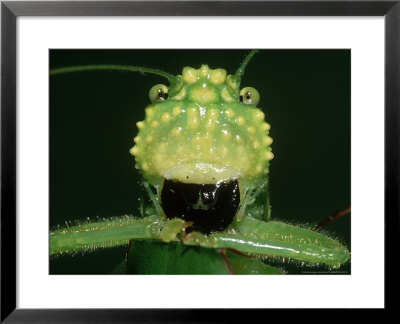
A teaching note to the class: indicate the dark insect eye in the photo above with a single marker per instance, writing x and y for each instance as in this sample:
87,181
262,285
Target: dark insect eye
249,96
158,93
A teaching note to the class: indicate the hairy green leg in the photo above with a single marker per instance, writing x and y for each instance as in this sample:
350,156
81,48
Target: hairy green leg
276,239
258,238
295,242
256,202
115,231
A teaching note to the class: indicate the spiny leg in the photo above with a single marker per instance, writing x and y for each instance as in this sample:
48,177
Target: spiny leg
115,231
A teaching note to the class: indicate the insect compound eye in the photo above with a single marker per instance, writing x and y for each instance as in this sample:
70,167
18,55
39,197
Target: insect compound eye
158,93
249,96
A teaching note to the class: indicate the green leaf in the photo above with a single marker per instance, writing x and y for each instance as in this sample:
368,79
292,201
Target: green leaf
245,265
120,268
154,257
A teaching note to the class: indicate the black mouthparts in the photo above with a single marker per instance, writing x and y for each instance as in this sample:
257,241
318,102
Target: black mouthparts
211,207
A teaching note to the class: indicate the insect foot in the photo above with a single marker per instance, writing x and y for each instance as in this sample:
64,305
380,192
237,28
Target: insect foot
172,228
199,239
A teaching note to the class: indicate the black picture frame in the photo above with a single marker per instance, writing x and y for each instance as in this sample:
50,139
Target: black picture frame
10,10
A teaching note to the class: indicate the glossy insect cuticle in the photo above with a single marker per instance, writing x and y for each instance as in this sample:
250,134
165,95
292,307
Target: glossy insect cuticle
208,207
214,135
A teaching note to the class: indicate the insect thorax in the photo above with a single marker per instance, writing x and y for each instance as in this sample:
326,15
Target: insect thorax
203,133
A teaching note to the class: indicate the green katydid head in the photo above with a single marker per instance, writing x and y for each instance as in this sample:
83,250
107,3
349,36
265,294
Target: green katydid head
203,129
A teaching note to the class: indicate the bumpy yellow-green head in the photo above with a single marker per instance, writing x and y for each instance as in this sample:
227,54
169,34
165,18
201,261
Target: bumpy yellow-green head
206,131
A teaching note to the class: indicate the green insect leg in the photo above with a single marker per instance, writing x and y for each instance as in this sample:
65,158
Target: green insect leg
255,202
108,233
288,241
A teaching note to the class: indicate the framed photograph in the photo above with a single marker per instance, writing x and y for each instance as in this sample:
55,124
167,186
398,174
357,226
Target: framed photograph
152,150
81,147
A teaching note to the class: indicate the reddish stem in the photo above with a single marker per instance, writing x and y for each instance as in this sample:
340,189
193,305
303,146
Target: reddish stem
333,217
222,252
238,253
127,254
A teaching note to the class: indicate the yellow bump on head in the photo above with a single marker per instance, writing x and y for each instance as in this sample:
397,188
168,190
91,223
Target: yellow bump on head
149,112
212,117
240,120
225,134
251,130
259,115
259,168
204,71
224,152
176,111
269,156
165,117
137,166
268,140
256,145
242,152
149,138
162,147
243,158
218,76
189,75
226,96
266,127
205,146
196,142
145,166
154,123
139,124
180,95
158,158
229,113
203,93
238,138
213,113
136,139
134,150
176,131
210,124
193,118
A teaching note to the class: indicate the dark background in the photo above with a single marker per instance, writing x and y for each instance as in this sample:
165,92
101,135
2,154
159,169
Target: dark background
305,95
